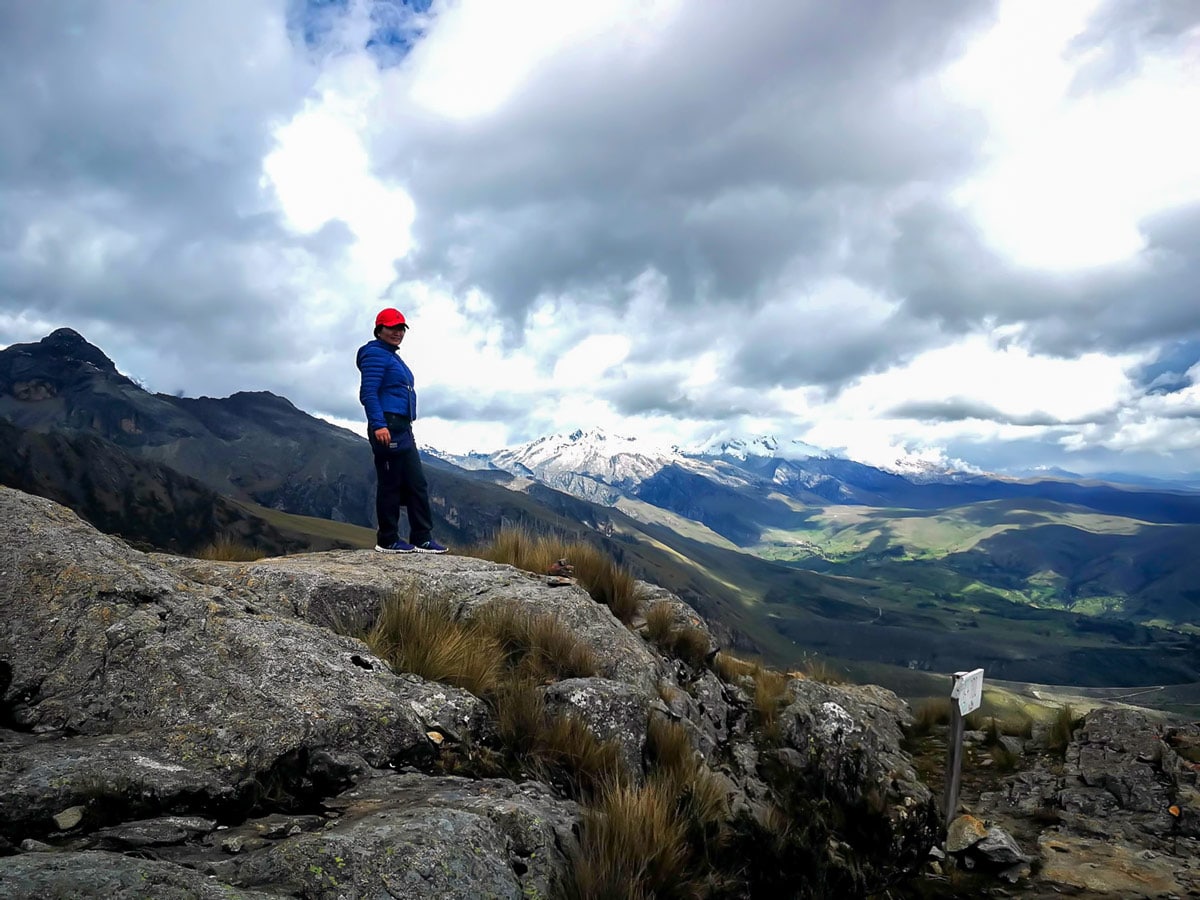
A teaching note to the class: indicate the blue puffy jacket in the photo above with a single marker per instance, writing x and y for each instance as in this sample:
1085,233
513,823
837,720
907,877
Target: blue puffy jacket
387,384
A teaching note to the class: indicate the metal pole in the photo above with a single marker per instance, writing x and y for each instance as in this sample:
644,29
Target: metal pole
954,754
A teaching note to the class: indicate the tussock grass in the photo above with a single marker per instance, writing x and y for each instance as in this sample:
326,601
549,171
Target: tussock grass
555,748
930,714
633,845
660,622
817,669
731,669
606,581
770,694
540,647
229,549
567,748
502,656
422,638
1062,728
691,645
668,693
668,746
650,840
675,763
1006,760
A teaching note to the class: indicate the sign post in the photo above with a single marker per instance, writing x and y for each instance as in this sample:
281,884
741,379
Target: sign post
968,692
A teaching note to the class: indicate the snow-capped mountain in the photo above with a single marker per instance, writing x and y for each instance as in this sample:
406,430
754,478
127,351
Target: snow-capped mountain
763,445
603,468
592,464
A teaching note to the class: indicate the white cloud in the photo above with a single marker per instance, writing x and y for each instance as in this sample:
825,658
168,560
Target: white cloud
668,219
1072,175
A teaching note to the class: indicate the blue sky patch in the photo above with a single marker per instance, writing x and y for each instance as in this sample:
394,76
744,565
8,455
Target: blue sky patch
397,25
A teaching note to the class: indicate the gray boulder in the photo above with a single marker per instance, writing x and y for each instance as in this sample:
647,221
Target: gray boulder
346,588
611,710
848,738
37,876
417,836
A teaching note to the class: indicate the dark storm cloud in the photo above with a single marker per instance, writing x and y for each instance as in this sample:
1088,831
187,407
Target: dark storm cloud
941,266
710,160
131,142
958,409
658,393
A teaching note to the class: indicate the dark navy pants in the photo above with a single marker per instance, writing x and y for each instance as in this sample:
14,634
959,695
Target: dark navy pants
401,483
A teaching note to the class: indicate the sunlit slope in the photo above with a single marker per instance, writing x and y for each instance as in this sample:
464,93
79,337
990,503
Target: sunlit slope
1031,551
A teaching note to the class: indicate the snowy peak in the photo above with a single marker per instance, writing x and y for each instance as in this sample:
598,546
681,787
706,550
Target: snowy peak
764,445
612,459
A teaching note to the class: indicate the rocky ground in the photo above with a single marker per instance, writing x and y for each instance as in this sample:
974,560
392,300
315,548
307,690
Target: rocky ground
176,728
1116,813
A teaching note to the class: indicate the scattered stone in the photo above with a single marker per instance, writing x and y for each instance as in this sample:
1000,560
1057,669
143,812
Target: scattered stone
1106,867
153,832
69,818
999,848
29,845
964,832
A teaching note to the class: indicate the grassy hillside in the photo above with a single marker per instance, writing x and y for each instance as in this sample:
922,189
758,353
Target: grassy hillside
1036,552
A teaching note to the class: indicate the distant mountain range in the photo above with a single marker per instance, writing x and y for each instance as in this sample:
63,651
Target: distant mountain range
786,549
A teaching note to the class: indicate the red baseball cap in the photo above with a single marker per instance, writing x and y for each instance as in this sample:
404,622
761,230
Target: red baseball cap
391,318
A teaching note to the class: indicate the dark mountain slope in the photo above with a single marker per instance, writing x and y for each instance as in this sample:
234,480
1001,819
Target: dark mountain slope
147,504
251,446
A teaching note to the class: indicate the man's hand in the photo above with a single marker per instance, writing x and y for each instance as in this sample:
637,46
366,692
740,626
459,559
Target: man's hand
383,436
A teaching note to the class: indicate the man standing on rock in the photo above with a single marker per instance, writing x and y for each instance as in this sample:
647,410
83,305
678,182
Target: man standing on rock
390,400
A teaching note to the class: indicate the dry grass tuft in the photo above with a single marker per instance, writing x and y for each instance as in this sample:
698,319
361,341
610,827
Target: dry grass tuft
597,572
731,669
633,845
770,694
228,549
929,714
668,746
674,762
690,645
539,647
684,643
1006,760
816,669
1062,729
566,748
421,637
559,748
660,622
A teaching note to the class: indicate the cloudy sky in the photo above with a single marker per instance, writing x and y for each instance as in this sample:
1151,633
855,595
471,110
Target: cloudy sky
957,230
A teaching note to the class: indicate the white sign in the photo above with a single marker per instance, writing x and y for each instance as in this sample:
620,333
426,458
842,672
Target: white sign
968,690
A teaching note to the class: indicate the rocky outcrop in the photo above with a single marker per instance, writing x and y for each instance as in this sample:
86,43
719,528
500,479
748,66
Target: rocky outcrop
216,717
1120,815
